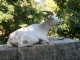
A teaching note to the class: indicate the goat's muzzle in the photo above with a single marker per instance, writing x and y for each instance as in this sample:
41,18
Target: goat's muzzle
58,23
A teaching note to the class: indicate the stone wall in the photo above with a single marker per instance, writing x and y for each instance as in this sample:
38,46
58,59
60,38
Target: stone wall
66,49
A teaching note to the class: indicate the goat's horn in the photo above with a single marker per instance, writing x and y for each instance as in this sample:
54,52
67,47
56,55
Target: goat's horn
48,12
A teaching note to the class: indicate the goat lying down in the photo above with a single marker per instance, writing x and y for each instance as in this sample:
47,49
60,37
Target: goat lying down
32,34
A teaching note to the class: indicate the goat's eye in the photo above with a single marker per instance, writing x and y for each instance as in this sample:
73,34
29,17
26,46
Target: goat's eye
58,17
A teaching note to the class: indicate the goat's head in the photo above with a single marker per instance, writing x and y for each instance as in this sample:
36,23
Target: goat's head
54,20
52,17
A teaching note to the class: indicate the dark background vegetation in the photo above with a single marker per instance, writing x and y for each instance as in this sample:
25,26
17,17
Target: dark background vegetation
15,14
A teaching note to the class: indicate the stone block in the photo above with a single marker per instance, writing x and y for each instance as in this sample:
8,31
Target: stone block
38,52
66,49
7,53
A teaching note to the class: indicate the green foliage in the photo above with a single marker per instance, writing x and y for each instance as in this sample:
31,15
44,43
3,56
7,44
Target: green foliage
15,14
69,13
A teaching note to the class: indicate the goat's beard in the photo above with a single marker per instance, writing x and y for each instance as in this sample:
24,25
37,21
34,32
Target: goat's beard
55,28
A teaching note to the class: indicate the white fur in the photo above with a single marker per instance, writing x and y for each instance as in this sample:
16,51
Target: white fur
30,35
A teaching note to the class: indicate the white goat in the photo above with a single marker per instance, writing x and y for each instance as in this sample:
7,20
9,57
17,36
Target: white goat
32,34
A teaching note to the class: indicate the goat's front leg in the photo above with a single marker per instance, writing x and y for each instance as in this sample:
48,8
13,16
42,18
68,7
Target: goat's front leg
55,38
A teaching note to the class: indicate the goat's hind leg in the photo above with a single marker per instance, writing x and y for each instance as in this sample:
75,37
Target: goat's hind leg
41,41
25,43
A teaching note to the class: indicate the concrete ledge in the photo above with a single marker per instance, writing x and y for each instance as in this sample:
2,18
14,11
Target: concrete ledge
8,53
66,49
69,50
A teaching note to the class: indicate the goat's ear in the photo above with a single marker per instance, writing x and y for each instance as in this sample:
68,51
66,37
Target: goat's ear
49,17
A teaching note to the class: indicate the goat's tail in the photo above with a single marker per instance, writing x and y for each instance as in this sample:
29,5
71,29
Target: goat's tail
9,42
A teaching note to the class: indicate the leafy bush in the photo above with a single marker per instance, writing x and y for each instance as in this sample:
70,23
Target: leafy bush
69,13
14,14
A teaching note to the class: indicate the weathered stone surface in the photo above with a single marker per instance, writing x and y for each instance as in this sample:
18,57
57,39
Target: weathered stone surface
7,53
45,52
69,50
66,49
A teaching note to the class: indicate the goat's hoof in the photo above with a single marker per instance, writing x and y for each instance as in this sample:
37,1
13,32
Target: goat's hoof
47,42
62,38
30,46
